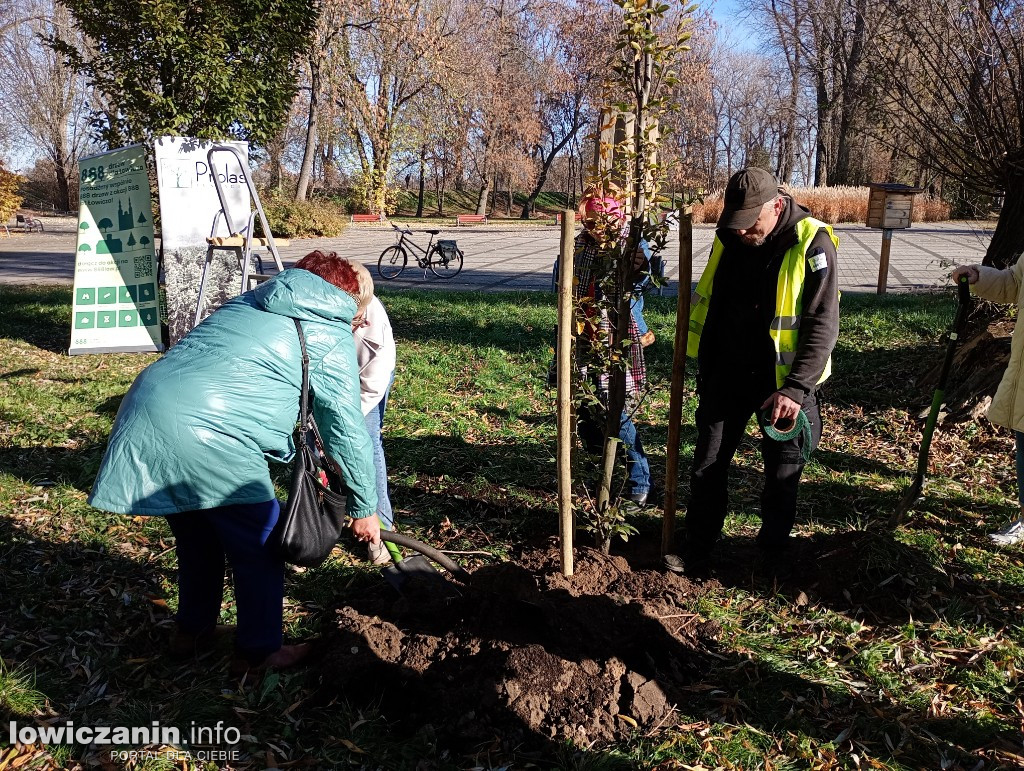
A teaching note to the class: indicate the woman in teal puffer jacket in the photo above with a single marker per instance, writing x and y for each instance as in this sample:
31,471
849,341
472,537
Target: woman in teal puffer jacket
196,430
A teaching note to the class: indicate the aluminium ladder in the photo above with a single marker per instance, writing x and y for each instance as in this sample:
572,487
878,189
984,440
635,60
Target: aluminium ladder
241,242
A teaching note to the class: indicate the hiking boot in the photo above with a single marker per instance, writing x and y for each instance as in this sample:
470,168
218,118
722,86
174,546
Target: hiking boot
673,564
284,657
1009,535
185,646
378,553
634,503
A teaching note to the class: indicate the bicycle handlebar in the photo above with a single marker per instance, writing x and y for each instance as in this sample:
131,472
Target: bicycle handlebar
406,231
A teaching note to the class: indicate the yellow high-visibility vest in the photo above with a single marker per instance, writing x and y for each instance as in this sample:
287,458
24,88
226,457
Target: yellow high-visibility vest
785,327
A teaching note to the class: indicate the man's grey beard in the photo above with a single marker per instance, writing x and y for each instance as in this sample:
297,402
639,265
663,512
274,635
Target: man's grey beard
759,241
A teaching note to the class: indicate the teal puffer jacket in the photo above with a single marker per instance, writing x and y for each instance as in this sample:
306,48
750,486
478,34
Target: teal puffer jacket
197,427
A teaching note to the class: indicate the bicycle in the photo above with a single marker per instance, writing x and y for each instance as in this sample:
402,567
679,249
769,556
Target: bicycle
444,258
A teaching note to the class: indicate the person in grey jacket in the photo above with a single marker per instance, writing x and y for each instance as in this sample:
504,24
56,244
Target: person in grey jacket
195,433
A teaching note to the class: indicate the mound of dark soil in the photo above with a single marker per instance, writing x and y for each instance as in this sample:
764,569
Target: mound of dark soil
524,653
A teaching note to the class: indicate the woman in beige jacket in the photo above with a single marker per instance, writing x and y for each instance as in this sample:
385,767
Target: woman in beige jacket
1007,409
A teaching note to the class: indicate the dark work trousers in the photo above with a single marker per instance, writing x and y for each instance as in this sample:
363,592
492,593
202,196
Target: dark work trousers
722,418
202,540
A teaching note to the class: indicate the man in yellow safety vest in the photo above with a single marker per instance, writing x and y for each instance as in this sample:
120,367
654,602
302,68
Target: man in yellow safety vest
764,321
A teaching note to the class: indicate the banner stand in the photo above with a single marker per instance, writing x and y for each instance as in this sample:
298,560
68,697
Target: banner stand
116,304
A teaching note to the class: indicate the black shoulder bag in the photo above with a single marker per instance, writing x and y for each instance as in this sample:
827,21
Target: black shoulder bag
314,516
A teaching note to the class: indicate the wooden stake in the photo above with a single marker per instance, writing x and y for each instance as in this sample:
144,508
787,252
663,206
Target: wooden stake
675,403
566,530
883,260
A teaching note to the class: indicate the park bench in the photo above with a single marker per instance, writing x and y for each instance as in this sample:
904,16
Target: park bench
27,223
470,219
367,217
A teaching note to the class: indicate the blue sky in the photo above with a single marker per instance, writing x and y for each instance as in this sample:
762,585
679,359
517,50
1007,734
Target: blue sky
728,14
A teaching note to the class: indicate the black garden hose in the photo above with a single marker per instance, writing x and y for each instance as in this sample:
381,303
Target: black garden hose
400,539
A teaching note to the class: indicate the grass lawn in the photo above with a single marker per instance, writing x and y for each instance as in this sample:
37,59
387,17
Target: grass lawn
905,653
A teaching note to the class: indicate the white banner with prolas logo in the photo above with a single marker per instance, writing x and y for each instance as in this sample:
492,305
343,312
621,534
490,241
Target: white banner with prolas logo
190,212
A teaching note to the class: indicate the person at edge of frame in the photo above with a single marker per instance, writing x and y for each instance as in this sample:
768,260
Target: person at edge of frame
763,323
1005,286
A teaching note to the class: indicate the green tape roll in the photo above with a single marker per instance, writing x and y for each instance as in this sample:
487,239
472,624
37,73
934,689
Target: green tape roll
800,426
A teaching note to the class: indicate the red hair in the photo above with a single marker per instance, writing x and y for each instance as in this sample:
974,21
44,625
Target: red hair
349,277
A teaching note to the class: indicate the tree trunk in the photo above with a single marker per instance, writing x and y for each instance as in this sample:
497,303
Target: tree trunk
306,169
787,141
821,141
276,167
327,167
63,188
852,97
481,201
419,198
570,182
379,193
1008,239
440,187
546,161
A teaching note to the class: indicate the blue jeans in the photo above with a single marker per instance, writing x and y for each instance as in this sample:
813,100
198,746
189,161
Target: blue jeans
638,469
238,532
636,308
374,425
1019,436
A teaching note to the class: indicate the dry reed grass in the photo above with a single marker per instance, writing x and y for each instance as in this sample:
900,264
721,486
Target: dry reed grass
832,205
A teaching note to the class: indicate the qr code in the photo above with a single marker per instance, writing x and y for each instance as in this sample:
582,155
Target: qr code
142,266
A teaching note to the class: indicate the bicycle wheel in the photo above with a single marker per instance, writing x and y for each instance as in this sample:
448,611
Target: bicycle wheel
443,266
392,262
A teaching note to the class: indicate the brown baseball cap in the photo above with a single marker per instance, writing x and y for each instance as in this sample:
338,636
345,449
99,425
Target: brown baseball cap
747,192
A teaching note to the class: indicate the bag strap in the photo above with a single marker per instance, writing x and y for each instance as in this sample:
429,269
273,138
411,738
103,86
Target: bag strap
304,394
306,421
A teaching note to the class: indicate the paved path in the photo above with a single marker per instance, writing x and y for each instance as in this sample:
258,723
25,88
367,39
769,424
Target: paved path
512,258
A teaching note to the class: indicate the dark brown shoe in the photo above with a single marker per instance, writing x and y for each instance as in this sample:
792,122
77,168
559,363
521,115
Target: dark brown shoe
285,657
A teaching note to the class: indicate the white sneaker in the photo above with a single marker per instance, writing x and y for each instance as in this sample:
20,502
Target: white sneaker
378,553
1009,535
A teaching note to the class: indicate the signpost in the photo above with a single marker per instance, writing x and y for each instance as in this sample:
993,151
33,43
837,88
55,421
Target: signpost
116,306
890,207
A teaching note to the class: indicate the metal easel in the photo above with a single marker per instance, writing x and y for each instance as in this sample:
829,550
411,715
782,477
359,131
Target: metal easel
241,242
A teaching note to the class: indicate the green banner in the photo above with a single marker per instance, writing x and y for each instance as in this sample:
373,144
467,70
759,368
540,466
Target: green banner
116,306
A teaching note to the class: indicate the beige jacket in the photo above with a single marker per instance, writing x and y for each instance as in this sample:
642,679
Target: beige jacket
375,353
1007,286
